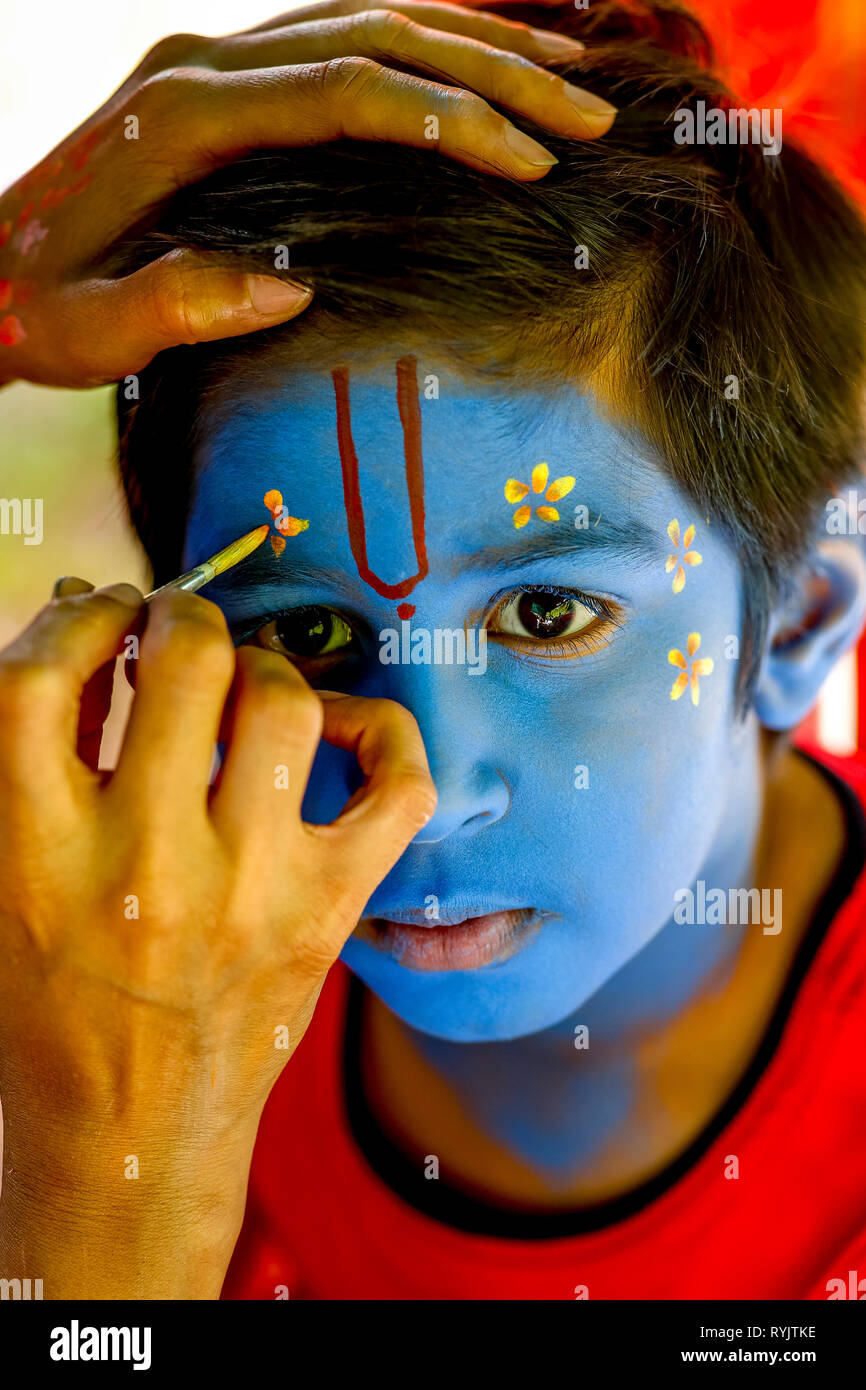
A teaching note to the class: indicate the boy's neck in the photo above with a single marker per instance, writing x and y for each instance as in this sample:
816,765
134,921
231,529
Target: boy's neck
542,1125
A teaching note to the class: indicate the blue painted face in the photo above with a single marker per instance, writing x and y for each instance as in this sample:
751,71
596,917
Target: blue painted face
570,782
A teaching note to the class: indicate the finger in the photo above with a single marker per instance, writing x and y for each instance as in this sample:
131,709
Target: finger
398,796
130,668
272,733
68,584
542,4
198,119
508,78
345,98
43,674
95,709
181,298
96,696
186,662
537,44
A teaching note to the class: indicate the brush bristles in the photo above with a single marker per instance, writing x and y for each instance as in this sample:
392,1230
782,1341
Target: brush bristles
238,550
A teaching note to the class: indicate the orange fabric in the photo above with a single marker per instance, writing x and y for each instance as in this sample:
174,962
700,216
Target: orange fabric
807,57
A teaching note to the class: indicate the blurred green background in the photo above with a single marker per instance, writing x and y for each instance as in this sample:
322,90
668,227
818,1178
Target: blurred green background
60,446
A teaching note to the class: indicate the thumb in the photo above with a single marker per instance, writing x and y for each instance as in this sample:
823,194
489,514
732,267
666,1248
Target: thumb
184,298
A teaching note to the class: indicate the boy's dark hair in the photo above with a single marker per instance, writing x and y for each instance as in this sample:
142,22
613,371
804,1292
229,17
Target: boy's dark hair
705,263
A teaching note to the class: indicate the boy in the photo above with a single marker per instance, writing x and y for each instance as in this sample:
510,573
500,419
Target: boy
592,423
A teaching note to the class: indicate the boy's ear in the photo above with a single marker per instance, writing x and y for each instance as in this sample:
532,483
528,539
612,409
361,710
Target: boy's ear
820,617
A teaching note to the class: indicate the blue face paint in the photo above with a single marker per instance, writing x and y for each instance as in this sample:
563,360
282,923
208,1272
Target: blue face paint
570,784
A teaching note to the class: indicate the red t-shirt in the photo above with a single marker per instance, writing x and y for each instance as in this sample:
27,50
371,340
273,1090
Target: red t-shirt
335,1213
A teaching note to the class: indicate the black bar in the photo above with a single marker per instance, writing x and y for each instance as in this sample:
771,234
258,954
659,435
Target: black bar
237,1339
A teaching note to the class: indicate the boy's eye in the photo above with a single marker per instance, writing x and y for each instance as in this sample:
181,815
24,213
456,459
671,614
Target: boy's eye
305,633
539,615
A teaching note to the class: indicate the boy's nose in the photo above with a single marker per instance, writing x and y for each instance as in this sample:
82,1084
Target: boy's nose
463,740
470,798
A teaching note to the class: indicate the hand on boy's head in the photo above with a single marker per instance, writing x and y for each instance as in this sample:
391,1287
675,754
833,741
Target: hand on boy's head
327,72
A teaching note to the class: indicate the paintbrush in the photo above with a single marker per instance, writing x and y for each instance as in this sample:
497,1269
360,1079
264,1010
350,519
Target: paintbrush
218,564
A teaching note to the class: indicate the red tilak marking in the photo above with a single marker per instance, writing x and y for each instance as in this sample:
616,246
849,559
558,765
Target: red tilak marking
410,418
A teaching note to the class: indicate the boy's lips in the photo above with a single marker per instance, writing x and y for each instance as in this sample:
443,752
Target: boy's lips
420,944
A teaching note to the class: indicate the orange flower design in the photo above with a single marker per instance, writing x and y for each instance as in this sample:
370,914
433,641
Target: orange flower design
515,492
701,667
285,524
688,557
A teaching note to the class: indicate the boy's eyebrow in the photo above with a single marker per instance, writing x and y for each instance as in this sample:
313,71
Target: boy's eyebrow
259,571
633,539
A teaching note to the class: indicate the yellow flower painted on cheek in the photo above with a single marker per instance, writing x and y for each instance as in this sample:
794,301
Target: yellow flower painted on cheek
516,491
688,557
702,667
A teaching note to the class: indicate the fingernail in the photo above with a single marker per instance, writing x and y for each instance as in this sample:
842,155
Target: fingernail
588,104
528,149
124,593
70,584
556,45
270,296
332,695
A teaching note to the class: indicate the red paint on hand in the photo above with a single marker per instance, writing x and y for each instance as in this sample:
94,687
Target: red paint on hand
81,151
11,331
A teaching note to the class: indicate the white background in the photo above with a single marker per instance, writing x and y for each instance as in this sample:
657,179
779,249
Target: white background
62,58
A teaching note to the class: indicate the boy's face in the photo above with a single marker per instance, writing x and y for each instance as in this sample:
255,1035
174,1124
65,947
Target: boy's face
575,795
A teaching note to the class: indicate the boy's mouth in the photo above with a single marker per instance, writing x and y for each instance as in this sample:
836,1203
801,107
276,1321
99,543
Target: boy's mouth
421,944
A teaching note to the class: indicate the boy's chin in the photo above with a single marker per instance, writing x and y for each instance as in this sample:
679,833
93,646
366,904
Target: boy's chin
492,1004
